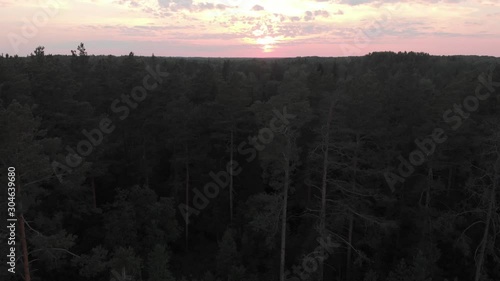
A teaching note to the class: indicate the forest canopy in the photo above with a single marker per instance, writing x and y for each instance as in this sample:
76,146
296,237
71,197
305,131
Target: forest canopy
381,167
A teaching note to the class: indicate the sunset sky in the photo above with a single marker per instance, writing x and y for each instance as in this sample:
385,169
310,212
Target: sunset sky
252,28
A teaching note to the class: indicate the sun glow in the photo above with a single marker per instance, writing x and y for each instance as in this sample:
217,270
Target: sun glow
268,43
252,27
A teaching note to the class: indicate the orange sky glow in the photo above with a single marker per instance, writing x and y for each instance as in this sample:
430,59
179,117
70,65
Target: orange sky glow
252,28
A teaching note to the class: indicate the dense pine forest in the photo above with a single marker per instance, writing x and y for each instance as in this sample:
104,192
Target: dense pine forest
376,168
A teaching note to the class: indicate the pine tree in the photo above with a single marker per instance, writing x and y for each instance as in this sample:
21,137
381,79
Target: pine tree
227,257
157,266
280,157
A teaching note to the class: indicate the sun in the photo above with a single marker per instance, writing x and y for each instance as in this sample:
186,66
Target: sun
267,48
268,43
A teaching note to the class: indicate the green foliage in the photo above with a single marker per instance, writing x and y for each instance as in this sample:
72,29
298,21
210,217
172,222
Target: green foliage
209,276
92,264
417,271
124,261
236,273
371,275
227,257
151,218
264,212
157,264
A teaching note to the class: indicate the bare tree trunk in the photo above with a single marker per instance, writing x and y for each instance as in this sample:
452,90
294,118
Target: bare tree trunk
430,178
231,181
484,241
144,163
450,178
322,217
428,196
351,215
125,145
94,198
349,248
309,189
176,176
24,243
285,203
187,198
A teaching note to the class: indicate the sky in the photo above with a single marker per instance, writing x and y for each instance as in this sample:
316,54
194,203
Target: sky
250,28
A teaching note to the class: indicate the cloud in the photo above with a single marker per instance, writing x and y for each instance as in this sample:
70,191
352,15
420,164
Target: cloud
361,2
356,2
321,13
130,3
188,5
293,30
309,15
175,4
209,6
257,8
